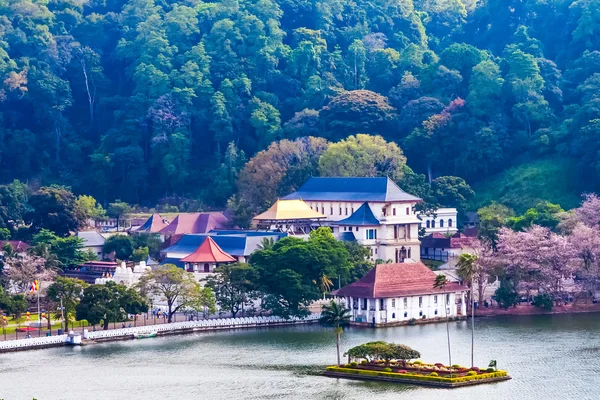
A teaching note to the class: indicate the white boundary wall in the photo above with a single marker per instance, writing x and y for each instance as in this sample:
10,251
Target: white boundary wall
208,324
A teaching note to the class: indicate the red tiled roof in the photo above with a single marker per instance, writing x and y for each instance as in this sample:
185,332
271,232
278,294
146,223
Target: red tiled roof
208,252
396,280
195,223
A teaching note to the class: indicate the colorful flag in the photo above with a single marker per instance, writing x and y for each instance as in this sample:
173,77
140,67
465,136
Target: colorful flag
34,287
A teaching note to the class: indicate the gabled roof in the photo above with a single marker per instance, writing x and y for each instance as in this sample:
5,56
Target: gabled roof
91,238
286,210
195,223
154,224
208,252
396,280
234,245
375,189
362,217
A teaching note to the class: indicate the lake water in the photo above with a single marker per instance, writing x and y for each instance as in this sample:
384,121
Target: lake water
549,357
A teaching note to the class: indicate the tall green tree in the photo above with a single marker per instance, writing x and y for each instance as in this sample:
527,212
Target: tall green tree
335,315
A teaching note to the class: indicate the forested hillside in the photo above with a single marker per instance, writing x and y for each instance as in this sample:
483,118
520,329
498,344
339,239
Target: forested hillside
145,99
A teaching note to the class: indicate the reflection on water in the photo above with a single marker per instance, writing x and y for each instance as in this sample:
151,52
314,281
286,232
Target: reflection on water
549,357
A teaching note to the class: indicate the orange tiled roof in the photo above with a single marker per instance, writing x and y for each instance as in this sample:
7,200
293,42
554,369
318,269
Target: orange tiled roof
396,280
208,252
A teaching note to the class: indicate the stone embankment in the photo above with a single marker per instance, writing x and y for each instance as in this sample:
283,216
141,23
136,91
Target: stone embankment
160,330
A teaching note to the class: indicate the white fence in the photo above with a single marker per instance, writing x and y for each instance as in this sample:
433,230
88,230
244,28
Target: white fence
203,324
207,324
33,342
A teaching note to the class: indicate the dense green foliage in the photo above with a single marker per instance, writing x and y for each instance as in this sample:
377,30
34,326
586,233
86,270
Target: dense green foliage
109,303
139,100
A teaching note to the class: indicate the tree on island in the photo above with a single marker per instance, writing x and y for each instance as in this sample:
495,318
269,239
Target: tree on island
67,292
234,286
109,303
173,284
440,283
336,315
383,351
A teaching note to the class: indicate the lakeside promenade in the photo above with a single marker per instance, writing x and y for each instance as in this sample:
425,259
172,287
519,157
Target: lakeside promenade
173,328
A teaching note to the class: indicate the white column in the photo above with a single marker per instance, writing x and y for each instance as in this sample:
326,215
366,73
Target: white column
377,319
463,304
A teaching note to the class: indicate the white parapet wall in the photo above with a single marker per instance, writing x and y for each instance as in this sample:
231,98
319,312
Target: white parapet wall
33,342
207,324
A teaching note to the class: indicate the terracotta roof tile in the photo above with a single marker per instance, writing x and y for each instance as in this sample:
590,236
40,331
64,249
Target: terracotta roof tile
396,280
208,252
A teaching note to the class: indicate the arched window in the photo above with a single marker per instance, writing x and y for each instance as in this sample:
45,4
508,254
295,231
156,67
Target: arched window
433,223
441,223
428,223
206,267
450,223
393,315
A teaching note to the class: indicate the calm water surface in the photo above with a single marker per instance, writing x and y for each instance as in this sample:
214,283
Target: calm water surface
549,357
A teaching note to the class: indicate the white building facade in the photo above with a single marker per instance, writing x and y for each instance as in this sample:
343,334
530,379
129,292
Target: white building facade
373,211
393,294
443,221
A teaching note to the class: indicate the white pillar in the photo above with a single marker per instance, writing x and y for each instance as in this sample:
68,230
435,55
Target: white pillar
377,319
463,304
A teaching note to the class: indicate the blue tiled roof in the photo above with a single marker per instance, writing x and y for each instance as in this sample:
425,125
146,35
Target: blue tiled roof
174,261
361,217
347,236
351,189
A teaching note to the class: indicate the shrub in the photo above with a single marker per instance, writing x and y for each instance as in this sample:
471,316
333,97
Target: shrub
387,369
456,366
543,301
414,376
471,373
353,363
418,362
490,370
412,321
476,369
363,362
433,374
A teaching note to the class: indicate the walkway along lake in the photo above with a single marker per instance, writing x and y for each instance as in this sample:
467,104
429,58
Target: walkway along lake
548,356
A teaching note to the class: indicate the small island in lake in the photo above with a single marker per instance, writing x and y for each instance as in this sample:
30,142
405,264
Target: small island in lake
390,362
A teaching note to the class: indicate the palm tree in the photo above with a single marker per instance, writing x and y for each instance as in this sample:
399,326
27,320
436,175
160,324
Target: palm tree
336,315
325,284
440,283
266,244
467,269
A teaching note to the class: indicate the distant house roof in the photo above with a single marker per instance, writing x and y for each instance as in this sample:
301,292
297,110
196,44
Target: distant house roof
375,189
396,280
17,245
195,223
439,241
154,224
208,252
286,210
362,217
91,238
